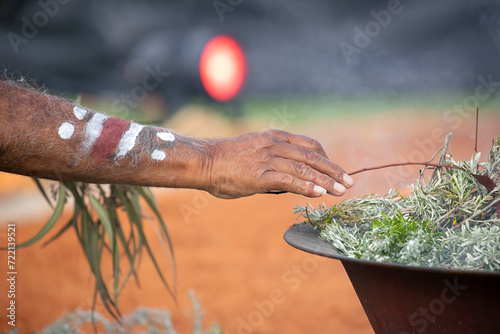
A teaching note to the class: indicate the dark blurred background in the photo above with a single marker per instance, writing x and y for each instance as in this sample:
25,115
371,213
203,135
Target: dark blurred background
332,48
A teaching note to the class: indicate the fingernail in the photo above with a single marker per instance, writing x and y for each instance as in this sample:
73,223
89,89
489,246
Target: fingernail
339,188
348,180
319,190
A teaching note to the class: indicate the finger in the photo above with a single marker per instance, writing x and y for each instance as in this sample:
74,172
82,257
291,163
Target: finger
300,140
314,160
307,173
287,182
313,154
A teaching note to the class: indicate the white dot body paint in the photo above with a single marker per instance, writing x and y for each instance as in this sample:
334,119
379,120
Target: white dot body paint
93,130
166,136
127,142
66,130
79,112
158,155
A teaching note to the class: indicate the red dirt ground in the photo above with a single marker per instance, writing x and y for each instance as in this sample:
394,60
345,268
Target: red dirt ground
231,252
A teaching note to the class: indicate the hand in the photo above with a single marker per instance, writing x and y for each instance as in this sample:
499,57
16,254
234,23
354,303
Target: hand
273,160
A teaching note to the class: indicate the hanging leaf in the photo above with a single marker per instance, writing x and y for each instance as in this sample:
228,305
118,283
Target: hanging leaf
104,219
52,220
40,187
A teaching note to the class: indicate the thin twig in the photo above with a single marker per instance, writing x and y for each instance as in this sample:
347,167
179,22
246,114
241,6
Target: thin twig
309,218
475,214
408,163
446,145
477,122
446,216
444,149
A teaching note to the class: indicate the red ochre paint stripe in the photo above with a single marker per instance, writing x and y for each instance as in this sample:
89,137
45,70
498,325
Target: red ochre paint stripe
111,133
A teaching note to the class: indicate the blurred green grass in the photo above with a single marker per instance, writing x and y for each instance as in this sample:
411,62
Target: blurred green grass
300,108
313,108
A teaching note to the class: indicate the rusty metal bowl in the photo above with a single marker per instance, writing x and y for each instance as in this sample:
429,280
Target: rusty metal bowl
404,299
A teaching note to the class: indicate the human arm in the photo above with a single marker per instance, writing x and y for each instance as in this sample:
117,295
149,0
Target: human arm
48,137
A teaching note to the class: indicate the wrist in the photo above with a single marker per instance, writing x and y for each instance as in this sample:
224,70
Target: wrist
189,164
204,168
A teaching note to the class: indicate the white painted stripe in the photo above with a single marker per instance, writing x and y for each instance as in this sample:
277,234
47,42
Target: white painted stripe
93,130
66,130
158,155
127,142
166,136
79,112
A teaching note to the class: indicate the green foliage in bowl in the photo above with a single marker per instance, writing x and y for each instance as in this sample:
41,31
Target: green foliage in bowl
451,221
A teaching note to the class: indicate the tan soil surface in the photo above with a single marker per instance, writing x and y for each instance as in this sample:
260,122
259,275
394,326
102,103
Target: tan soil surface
231,252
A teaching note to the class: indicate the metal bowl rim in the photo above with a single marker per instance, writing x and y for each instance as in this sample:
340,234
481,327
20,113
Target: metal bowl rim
324,248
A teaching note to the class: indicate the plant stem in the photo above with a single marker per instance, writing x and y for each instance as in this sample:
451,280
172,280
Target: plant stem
397,164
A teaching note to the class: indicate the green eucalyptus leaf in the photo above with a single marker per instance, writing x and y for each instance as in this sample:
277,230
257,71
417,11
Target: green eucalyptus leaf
59,233
149,198
40,187
72,187
103,215
92,236
155,263
52,220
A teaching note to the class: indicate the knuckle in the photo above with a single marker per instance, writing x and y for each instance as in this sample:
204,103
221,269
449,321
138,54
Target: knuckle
330,184
286,181
311,155
275,132
267,139
266,155
315,145
301,169
337,172
307,189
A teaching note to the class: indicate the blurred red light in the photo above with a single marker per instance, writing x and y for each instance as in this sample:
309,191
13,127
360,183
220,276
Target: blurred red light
222,68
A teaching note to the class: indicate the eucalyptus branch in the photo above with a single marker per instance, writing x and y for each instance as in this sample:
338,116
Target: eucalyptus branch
99,228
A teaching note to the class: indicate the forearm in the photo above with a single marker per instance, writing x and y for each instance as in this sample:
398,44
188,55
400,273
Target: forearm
47,137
